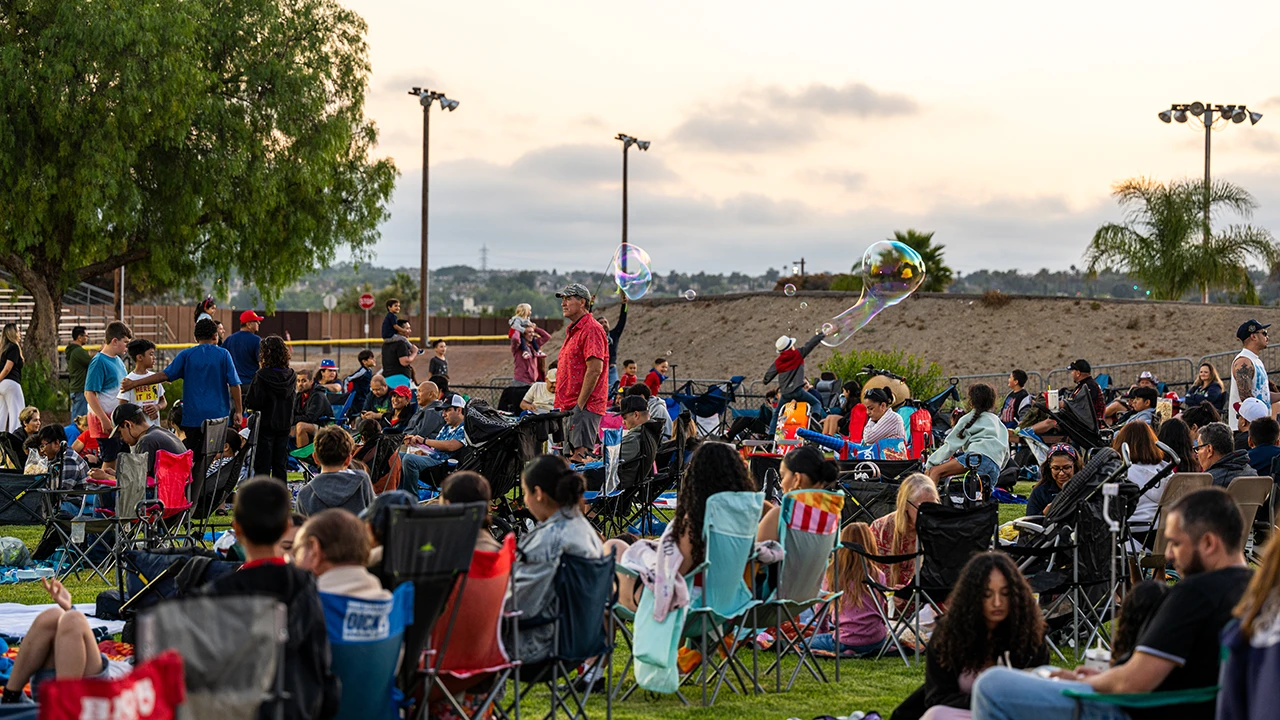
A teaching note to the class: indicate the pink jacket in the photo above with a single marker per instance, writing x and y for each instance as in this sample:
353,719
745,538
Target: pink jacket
526,370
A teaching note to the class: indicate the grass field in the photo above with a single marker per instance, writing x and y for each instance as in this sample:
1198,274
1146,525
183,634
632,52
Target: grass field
864,684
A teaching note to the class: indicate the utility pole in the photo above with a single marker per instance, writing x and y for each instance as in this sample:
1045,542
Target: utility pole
426,98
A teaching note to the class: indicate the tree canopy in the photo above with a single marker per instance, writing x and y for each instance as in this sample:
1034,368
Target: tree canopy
179,136
1162,240
937,275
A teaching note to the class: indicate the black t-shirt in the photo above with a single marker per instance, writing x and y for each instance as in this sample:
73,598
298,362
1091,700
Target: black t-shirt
12,353
1186,627
392,351
438,366
1041,495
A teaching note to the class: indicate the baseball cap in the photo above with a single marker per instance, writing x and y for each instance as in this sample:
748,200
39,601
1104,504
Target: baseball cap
1081,365
1250,327
632,403
1147,375
249,316
402,391
575,290
133,413
551,375
1253,409
784,343
328,363
457,401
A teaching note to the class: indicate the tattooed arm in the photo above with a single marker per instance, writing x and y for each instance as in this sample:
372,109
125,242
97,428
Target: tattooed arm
1242,373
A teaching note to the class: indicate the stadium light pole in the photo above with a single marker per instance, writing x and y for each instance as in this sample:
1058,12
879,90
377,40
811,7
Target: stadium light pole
627,142
1204,115
426,98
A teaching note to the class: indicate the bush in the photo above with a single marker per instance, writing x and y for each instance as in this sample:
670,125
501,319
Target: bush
42,388
846,283
995,299
925,378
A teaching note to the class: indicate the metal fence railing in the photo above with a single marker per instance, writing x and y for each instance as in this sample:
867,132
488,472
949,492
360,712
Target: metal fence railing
1035,382
1173,372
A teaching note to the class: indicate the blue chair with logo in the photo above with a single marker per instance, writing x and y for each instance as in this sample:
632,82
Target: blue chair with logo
365,637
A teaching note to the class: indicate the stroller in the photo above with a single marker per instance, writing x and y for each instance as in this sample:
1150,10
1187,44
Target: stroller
709,403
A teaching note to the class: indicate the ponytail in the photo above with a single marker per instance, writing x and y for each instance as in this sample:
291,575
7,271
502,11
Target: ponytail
553,475
810,462
982,398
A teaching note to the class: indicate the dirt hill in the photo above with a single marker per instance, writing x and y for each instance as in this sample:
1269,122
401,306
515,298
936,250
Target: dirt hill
717,337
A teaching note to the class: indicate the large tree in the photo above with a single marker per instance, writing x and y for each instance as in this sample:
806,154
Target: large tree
1162,243
937,276
178,136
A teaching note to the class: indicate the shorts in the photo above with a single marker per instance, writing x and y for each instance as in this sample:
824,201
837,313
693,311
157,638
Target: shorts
986,466
111,670
584,429
108,448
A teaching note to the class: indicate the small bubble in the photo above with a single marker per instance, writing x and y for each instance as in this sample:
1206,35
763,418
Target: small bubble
827,328
690,294
789,290
804,305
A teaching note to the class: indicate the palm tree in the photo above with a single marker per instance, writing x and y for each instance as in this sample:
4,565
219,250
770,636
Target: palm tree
937,276
1162,242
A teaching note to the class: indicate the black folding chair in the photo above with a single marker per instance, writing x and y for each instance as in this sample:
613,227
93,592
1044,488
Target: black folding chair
20,498
429,546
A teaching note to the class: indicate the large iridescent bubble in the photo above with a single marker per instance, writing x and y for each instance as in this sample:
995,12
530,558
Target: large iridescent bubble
631,271
891,271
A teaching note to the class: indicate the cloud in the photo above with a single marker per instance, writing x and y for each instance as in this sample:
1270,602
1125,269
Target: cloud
849,180
773,119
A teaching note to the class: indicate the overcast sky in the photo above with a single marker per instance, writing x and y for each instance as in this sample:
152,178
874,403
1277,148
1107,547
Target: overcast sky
807,128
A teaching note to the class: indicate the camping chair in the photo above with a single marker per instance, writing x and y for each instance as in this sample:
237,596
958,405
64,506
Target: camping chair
219,487
481,609
867,500
20,497
386,469
215,436
1249,492
157,685
880,595
365,639
808,528
586,588
1178,486
729,535
429,546
233,647
1176,701
625,483
709,402
170,515
86,540
131,495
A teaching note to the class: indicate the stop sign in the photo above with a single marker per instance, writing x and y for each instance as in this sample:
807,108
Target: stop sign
366,301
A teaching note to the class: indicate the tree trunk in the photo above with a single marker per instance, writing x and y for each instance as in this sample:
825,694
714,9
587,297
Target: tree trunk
41,280
1204,293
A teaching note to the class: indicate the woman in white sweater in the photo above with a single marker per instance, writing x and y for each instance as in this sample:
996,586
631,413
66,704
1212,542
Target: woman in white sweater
882,422
979,433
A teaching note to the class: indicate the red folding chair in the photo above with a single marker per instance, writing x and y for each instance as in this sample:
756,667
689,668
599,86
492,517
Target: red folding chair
170,515
153,691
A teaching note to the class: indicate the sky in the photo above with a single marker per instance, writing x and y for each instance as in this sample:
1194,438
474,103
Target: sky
805,129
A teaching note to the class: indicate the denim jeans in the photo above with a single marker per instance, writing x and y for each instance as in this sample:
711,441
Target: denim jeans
986,466
412,467
1004,694
826,642
815,405
79,406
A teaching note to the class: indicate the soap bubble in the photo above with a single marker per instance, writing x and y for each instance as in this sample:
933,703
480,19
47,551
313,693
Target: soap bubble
891,271
690,294
804,305
789,289
631,271
828,328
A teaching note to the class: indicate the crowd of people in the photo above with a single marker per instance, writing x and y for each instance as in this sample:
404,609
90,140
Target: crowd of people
987,655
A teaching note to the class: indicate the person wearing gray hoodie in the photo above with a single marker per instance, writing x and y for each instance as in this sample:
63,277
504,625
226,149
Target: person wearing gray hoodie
337,485
788,368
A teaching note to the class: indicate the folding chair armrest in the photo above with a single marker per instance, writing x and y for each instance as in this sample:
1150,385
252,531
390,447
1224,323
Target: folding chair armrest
1026,524
882,559
1165,698
624,570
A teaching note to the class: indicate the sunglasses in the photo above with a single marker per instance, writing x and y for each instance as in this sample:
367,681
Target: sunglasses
1195,448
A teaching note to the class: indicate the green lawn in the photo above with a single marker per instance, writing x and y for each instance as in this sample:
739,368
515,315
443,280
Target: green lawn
864,684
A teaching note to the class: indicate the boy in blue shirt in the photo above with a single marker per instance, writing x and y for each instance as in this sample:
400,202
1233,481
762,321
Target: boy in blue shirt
390,321
358,381
102,386
211,387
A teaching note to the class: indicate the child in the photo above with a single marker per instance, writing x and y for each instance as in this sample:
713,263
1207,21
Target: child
260,519
628,376
272,393
234,441
149,397
519,323
358,382
378,400
391,319
336,486
862,632
438,365
657,376
788,368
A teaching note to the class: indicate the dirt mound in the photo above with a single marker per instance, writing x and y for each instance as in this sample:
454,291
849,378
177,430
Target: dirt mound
716,337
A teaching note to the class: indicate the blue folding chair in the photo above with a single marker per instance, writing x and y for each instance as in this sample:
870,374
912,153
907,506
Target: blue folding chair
365,637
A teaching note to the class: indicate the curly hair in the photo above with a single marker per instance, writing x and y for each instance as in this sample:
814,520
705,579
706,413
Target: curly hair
965,644
714,468
273,352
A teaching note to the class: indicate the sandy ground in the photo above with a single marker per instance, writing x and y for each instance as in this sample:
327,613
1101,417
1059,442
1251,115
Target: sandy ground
717,337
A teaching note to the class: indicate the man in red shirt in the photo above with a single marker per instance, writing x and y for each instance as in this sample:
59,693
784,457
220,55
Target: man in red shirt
581,383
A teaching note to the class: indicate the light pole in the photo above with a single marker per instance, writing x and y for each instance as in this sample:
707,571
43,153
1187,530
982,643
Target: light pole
1203,112
426,97
627,142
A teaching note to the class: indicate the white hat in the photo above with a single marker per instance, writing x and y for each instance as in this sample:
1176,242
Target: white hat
1253,409
551,375
457,401
784,343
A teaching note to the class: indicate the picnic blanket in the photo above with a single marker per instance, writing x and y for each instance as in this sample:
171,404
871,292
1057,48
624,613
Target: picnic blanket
16,619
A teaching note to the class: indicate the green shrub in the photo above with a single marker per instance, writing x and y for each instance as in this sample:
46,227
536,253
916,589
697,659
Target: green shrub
42,388
925,378
847,283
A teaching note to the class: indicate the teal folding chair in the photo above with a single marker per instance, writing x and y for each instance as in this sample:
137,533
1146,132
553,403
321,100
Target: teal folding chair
1145,701
729,532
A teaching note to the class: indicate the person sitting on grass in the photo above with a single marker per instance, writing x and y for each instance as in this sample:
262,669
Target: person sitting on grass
333,545
60,644
260,519
862,632
337,485
992,619
1178,650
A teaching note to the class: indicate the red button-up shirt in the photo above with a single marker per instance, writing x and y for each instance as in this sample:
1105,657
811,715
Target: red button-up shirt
585,339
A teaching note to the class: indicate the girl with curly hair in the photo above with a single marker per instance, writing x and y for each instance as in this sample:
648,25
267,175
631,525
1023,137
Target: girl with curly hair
1011,633
715,467
272,393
